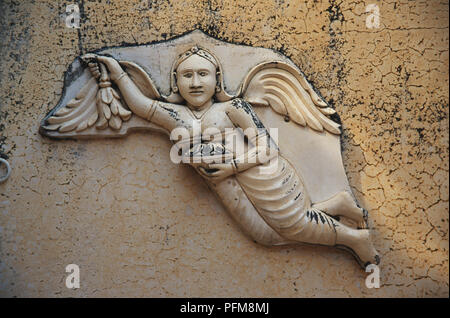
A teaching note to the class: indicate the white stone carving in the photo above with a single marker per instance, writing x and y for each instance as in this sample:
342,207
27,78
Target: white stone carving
283,190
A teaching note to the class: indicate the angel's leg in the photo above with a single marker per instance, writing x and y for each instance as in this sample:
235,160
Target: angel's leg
342,204
316,227
244,213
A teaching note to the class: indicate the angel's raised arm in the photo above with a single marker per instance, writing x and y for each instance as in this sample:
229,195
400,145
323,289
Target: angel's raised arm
98,103
139,104
137,89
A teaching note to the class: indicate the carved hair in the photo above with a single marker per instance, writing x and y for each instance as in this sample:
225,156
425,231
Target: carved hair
221,95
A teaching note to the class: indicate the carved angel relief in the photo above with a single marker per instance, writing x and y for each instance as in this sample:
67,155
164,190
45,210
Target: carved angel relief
283,183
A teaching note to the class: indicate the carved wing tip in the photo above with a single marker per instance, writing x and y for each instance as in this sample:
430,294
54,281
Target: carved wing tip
336,130
298,122
319,102
256,101
50,127
318,128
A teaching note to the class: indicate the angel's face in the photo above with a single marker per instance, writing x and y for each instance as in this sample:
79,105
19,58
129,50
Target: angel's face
196,81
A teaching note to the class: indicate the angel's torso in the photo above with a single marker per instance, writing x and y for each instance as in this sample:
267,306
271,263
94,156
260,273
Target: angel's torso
171,116
273,190
217,124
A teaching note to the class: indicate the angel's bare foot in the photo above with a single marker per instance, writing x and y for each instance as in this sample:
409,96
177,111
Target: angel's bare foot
359,244
343,204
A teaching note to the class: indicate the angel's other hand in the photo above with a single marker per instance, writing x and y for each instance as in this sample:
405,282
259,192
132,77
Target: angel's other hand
217,171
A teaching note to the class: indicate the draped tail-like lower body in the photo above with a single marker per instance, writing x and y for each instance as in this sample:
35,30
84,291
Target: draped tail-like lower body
271,204
279,195
236,202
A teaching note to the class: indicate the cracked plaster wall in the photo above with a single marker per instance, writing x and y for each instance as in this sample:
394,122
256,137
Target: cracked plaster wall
138,225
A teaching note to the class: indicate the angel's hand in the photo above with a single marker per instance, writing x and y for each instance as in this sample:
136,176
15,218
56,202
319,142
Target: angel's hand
94,69
113,66
217,171
91,60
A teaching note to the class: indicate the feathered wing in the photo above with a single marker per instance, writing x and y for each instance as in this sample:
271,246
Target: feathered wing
310,140
79,113
289,94
98,108
141,79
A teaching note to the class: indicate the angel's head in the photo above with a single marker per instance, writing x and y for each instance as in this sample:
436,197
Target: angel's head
196,78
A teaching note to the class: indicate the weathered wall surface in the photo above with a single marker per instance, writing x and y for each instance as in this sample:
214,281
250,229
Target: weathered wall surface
138,225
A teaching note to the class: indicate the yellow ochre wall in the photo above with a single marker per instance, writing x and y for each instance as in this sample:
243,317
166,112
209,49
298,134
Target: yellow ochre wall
139,225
